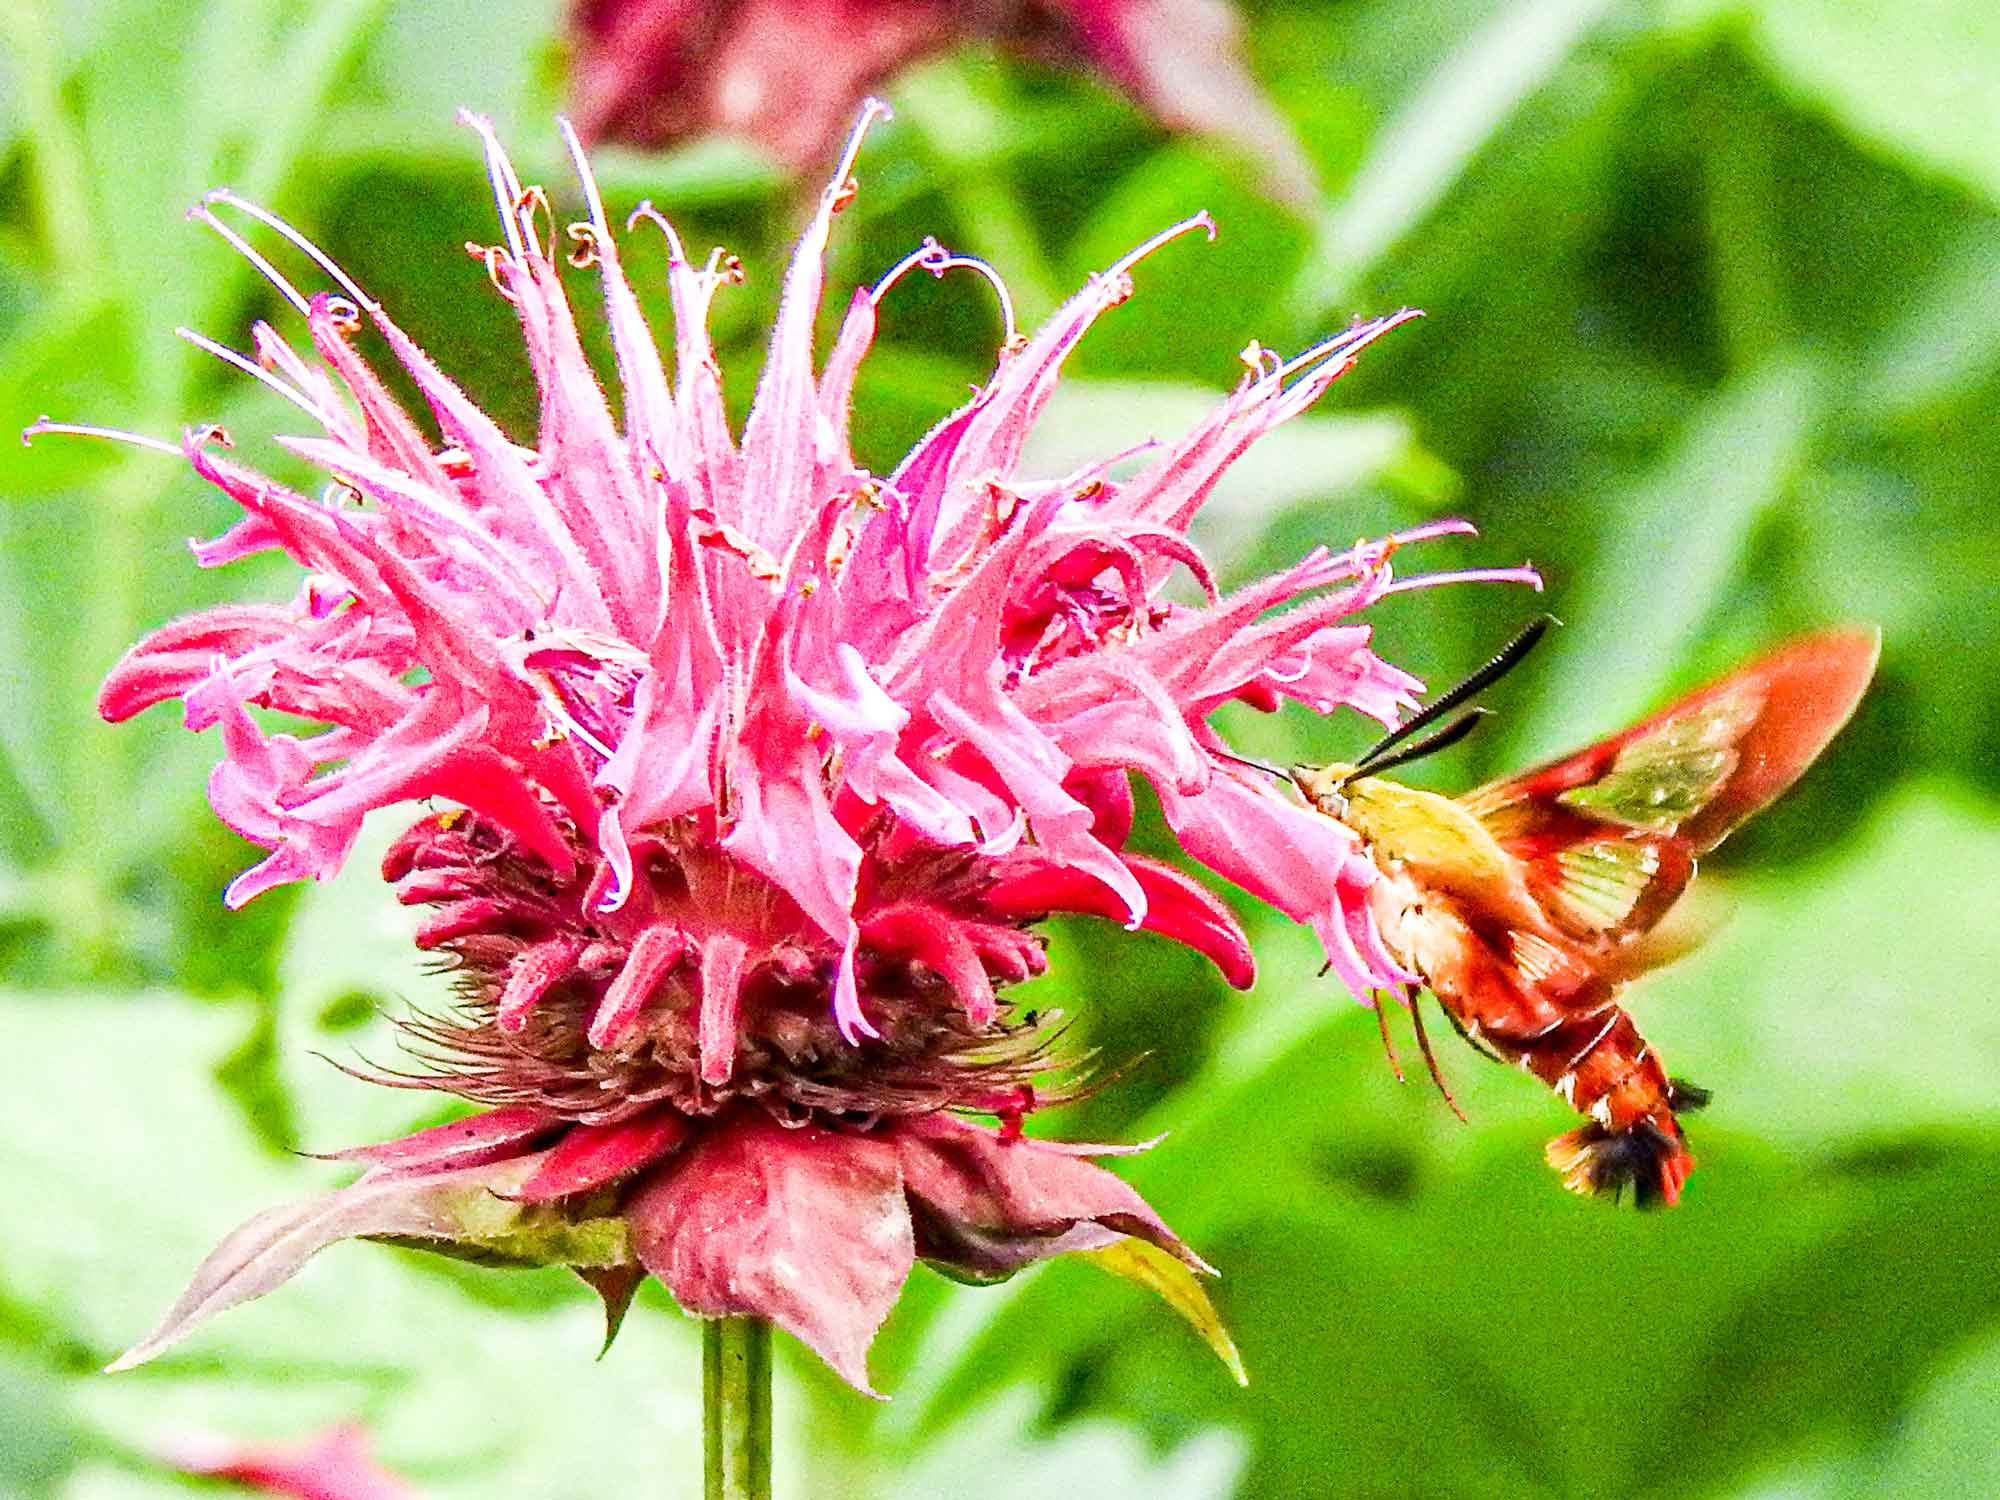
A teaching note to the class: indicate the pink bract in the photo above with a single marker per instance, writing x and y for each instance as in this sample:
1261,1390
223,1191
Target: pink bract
764,767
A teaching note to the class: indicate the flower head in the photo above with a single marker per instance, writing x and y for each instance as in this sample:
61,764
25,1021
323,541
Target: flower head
788,73
763,766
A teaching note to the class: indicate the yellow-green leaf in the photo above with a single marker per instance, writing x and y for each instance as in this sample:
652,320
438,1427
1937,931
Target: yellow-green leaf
1151,1267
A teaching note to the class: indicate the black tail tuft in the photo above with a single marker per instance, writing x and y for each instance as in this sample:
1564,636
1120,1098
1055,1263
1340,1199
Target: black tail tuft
1598,1162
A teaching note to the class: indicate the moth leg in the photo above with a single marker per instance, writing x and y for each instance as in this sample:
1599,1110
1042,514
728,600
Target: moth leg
1478,1044
1382,1025
1430,1058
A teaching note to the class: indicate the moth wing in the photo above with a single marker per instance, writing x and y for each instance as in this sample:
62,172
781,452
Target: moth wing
1608,836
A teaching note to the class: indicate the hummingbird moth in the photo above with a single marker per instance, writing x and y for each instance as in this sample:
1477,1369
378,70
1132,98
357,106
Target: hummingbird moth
1527,904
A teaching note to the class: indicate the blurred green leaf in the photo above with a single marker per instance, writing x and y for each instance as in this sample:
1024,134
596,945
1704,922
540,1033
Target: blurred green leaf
1920,78
1682,529
1418,155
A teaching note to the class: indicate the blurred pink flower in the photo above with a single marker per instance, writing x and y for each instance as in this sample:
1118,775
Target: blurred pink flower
789,73
336,1465
765,766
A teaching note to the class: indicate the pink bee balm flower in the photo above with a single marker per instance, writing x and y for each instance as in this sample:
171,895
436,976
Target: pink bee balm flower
764,768
788,73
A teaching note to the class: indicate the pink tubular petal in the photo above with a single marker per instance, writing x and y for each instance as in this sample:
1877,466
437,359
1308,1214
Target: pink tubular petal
178,655
1176,907
1305,864
804,1227
592,1156
487,784
654,954
936,938
530,977
721,995
1180,908
778,437
247,538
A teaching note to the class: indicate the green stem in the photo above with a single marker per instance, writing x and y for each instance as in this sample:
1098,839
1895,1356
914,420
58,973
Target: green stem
736,1408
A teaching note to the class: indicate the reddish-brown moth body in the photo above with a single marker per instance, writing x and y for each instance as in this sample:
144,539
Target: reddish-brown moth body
1524,905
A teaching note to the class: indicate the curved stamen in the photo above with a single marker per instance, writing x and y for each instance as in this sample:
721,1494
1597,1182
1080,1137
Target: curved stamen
584,240
584,176
1262,363
841,183
923,255
43,425
306,247
946,262
676,253
1448,526
343,314
1347,343
506,185
1165,237
1524,574
534,204
201,214
256,372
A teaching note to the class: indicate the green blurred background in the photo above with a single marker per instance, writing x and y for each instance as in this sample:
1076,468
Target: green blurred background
1713,337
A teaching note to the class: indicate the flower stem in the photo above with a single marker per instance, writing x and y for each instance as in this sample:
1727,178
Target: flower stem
736,1408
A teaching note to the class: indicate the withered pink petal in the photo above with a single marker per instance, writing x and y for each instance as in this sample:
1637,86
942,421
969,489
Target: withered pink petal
590,1156
804,1227
988,1204
485,1137
268,1251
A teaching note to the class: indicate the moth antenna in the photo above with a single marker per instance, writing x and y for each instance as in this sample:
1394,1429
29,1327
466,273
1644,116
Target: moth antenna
1388,1046
1430,1057
1430,744
1504,661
